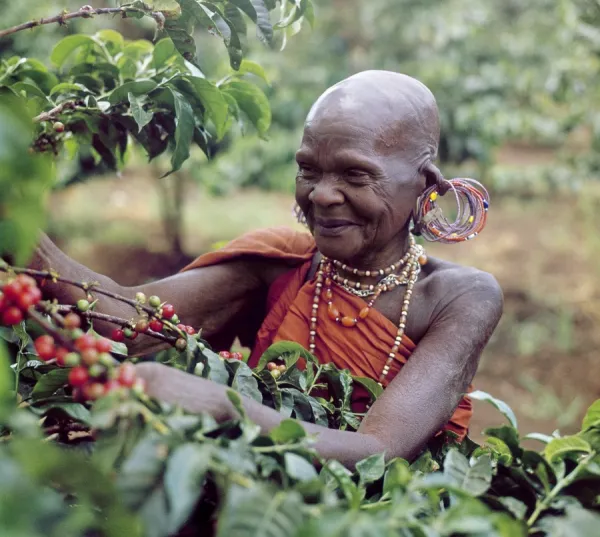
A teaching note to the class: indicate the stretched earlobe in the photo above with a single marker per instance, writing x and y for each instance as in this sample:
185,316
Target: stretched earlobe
434,178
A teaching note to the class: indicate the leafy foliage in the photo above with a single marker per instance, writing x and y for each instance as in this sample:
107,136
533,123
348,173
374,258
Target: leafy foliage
177,472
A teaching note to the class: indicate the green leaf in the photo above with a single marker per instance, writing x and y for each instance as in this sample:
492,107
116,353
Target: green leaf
164,50
242,380
397,475
509,435
236,401
75,410
502,451
374,389
252,68
592,416
544,438
233,15
183,480
217,372
49,383
184,131
269,389
22,202
474,480
500,405
298,467
283,349
577,522
68,87
252,101
371,469
213,101
6,378
141,116
138,87
559,447
264,28
260,511
66,46
342,475
142,471
227,30
288,431
113,40
29,90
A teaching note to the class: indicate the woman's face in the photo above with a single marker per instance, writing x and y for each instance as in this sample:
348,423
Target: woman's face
356,193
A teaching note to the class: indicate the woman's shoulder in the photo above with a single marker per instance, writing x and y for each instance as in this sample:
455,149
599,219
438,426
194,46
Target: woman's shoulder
448,281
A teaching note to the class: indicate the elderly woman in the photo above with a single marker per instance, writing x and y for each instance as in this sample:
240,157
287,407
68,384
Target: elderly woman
357,291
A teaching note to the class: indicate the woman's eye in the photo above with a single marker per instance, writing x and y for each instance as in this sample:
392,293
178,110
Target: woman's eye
305,170
356,174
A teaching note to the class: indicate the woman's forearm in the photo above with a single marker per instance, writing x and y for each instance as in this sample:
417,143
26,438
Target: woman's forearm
198,395
49,257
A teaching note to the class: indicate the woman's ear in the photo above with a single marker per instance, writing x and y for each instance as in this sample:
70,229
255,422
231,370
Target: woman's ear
434,177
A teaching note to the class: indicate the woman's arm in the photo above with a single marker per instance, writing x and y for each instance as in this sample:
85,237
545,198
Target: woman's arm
416,404
206,297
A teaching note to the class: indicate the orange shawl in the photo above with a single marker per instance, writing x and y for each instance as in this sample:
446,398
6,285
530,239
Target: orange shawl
363,349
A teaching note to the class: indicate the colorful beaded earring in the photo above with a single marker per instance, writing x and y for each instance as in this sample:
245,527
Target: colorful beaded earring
472,200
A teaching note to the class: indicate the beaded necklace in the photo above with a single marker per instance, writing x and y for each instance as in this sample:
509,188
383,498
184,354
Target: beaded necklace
326,276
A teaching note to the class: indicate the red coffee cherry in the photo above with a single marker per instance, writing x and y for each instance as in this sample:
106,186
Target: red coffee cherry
12,315
117,335
271,366
168,310
225,354
78,376
190,330
12,290
127,374
237,355
86,341
61,353
155,325
58,126
103,345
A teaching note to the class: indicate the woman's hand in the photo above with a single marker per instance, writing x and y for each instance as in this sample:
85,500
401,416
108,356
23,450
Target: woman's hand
193,394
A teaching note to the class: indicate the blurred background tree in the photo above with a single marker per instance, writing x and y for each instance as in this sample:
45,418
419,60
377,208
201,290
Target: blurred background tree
518,88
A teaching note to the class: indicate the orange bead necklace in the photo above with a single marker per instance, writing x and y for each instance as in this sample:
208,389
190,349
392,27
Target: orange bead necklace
325,277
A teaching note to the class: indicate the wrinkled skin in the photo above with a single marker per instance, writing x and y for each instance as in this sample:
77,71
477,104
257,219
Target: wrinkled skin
365,157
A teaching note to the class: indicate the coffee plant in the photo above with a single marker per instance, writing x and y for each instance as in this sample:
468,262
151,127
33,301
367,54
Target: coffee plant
84,451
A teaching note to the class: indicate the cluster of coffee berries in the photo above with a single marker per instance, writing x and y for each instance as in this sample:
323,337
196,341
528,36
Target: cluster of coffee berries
163,318
276,370
16,297
226,355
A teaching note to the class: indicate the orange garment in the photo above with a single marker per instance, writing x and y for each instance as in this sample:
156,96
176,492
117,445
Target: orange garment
362,349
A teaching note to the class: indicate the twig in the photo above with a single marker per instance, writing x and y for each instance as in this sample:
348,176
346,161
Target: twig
84,286
50,329
92,287
85,12
51,114
111,319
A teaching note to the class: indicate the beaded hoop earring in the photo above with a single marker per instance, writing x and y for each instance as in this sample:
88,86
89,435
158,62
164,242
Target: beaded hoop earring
473,202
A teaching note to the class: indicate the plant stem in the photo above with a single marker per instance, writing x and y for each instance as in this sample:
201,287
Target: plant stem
51,114
84,286
564,482
86,12
279,448
50,329
315,379
111,319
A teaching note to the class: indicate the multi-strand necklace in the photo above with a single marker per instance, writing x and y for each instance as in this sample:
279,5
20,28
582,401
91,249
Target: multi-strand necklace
330,272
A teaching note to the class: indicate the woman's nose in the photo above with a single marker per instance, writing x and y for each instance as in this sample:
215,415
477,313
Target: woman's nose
326,193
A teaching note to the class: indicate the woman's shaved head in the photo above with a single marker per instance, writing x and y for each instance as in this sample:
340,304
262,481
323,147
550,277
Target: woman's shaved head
399,111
